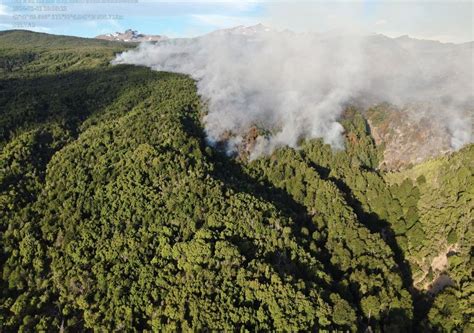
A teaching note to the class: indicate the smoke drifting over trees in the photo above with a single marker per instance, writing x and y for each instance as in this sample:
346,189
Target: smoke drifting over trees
296,86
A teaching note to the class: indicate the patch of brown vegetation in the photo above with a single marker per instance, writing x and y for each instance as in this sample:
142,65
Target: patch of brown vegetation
352,138
407,137
248,142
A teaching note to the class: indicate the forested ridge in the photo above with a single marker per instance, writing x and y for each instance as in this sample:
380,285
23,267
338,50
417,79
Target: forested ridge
115,215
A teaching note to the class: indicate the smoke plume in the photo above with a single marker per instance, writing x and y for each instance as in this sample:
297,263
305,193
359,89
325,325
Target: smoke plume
296,86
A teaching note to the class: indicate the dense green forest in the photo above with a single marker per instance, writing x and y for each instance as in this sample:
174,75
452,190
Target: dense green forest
116,215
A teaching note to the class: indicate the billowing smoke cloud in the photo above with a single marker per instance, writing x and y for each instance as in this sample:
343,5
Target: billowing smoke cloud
297,85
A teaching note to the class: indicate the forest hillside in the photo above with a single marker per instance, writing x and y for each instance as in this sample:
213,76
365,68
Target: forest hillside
115,215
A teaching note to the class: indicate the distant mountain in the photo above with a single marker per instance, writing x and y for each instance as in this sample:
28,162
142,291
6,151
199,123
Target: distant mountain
130,35
243,30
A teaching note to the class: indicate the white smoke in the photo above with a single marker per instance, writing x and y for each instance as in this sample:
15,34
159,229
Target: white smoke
297,85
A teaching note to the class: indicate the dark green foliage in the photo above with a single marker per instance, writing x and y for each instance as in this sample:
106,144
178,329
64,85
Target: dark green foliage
28,54
115,215
362,261
446,314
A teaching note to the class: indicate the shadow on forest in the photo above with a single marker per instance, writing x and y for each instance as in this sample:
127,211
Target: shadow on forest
64,100
375,224
67,98
232,175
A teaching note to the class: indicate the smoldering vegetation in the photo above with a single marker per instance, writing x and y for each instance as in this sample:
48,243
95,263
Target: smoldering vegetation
296,85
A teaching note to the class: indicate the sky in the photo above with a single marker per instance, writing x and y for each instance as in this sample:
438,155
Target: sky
446,21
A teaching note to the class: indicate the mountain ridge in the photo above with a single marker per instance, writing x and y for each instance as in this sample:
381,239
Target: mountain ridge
132,36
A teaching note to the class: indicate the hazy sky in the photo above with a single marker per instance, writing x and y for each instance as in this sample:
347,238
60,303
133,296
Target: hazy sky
448,21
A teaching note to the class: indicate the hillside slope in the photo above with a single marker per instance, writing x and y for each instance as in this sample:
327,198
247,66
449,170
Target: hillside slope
116,215
29,54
